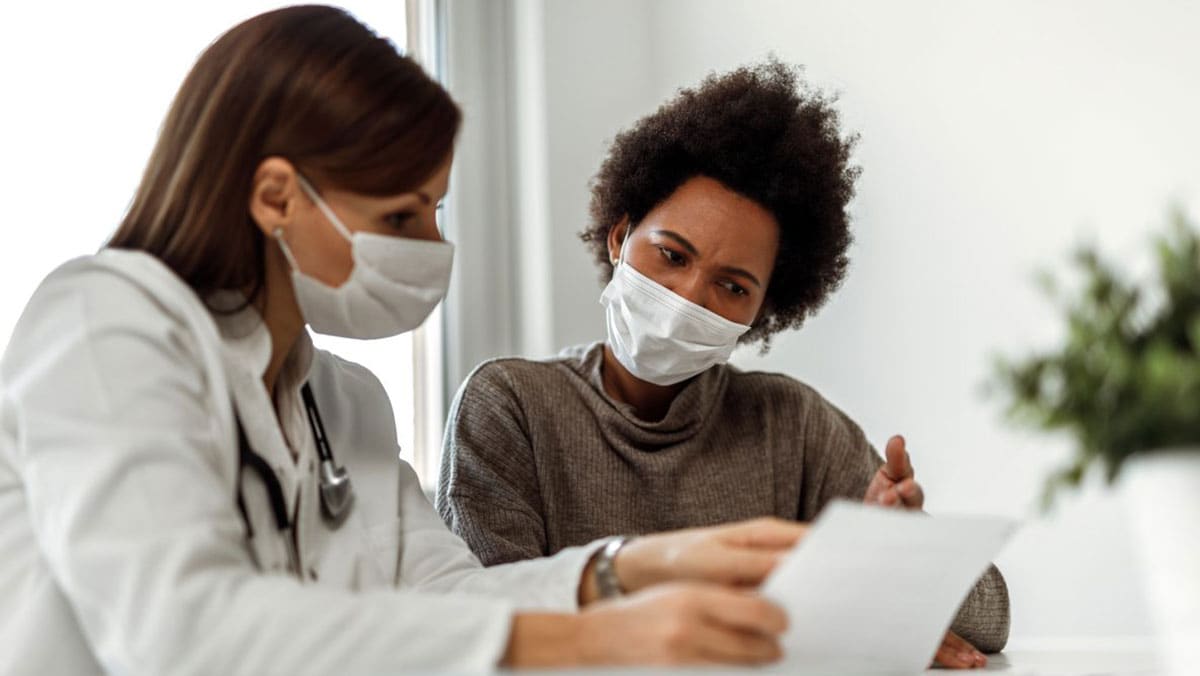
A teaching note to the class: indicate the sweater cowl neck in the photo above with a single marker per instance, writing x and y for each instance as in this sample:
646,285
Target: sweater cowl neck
685,418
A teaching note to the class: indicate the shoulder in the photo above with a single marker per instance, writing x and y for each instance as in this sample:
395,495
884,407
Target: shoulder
123,282
350,390
119,340
516,376
333,369
778,392
113,293
772,387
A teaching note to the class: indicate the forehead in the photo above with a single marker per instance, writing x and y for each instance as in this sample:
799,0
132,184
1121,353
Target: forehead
706,212
438,183
433,189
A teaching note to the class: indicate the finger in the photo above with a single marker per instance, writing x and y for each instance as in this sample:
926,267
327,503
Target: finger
744,567
956,642
957,652
889,498
911,493
967,650
897,466
766,533
878,485
744,611
718,644
952,658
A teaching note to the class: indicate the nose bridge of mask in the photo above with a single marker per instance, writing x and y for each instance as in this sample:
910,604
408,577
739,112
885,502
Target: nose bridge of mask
679,309
671,301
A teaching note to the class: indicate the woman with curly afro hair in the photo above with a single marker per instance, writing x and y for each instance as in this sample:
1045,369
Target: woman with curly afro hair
718,219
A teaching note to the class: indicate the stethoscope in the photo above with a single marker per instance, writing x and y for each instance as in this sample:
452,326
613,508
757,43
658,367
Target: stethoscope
337,494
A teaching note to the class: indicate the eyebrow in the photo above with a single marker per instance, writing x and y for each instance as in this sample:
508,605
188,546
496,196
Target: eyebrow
728,269
421,195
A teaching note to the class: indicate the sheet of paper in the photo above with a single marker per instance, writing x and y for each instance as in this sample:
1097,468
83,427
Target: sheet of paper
873,590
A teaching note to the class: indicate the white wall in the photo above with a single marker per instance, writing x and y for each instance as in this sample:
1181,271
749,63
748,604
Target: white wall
994,136
599,75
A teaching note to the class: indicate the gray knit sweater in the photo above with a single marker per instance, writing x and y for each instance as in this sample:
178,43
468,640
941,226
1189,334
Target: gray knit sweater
538,457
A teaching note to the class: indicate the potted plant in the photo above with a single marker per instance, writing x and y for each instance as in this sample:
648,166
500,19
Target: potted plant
1125,384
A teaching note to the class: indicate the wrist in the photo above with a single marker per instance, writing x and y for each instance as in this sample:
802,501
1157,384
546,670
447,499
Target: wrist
601,579
608,581
546,640
635,565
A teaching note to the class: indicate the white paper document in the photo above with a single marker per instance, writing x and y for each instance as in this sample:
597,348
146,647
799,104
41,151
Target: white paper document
873,590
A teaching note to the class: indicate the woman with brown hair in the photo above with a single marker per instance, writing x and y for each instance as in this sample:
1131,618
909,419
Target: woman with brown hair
174,491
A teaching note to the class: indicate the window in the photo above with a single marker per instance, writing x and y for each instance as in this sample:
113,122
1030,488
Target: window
86,88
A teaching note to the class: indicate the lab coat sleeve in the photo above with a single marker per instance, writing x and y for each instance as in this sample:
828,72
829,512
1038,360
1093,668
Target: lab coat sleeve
433,558
418,547
119,453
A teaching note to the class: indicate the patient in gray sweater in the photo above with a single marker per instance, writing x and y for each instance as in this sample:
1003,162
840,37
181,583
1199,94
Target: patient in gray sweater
720,219
538,457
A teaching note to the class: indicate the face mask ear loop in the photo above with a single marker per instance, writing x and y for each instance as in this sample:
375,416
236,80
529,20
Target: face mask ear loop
312,195
624,246
287,252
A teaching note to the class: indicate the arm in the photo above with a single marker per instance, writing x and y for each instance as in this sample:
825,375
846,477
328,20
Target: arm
436,559
846,466
838,460
489,493
119,455
984,617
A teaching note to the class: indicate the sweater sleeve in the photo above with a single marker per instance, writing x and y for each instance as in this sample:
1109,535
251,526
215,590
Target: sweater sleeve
488,492
839,462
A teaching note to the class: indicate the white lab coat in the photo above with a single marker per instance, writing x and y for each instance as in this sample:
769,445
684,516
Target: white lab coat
122,548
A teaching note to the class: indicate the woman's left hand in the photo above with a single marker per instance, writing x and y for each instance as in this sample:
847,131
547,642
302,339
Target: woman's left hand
895,484
737,555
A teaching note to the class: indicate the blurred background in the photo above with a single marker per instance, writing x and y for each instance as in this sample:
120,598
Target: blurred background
994,137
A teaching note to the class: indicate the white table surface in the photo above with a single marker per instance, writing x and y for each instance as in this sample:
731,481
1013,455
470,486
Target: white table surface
1079,657
1121,656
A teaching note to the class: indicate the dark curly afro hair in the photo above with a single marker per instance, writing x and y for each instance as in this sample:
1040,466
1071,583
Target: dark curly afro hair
763,132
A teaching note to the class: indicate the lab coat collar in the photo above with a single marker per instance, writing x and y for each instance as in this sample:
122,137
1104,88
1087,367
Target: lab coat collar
249,341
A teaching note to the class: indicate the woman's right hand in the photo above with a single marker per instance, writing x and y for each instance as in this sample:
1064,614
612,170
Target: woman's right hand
673,624
739,554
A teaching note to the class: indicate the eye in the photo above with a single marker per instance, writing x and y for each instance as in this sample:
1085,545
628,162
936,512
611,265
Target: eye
400,219
673,257
735,288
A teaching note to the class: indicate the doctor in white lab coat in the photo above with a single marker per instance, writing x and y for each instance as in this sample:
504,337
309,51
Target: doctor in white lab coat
178,464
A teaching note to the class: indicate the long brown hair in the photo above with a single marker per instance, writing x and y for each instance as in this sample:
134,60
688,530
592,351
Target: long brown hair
310,84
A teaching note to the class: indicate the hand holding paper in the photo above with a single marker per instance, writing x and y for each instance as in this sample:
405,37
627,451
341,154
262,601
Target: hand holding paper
874,590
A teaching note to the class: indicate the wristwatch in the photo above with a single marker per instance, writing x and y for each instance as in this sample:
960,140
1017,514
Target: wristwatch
605,570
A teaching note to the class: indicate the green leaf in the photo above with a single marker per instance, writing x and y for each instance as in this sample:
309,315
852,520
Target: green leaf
1126,379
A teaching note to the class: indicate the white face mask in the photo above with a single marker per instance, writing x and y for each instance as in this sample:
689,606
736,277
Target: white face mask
658,335
396,282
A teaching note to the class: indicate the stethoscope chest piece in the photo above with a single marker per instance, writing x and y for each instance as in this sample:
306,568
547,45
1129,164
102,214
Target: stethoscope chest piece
336,490
337,494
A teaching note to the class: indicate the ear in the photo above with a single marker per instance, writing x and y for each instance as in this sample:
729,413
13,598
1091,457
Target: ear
616,237
273,195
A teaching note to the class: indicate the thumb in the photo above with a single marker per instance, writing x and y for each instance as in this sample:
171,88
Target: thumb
897,467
